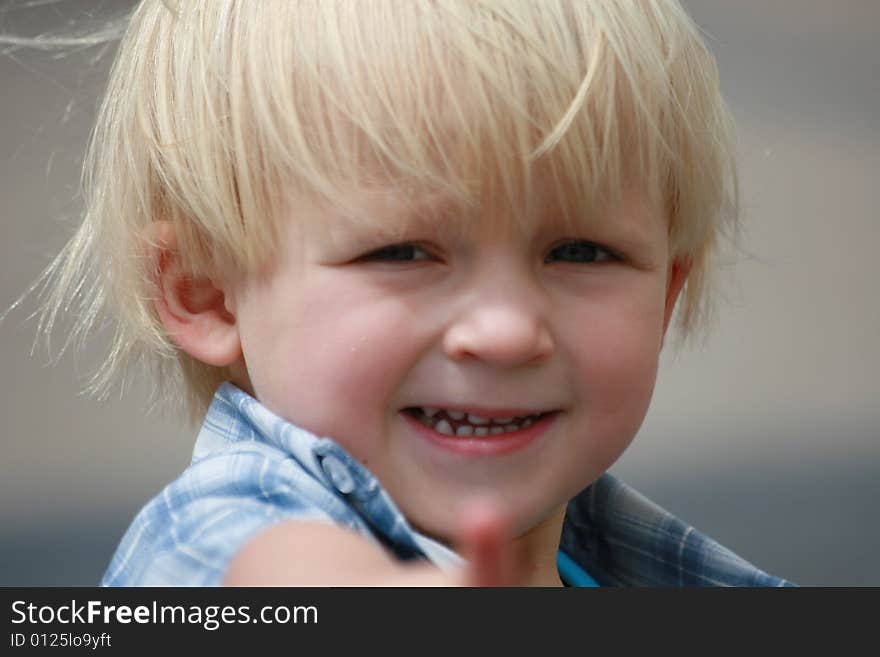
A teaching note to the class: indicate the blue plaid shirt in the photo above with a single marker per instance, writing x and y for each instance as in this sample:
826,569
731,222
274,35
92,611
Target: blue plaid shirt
251,469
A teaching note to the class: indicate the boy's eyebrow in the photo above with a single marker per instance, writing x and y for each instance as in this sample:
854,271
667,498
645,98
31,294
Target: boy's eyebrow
398,216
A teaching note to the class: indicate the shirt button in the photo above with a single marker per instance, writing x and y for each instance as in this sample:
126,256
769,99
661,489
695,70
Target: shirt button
338,473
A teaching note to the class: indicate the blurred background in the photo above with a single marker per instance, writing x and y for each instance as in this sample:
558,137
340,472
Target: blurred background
767,437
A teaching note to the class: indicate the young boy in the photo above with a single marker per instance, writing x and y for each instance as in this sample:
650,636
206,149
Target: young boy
413,263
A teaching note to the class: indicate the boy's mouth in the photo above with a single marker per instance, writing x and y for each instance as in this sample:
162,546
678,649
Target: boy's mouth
459,423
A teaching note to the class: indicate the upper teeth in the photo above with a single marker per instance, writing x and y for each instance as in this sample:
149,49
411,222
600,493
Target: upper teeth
459,423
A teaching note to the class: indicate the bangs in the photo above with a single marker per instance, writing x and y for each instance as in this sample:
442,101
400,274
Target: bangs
464,100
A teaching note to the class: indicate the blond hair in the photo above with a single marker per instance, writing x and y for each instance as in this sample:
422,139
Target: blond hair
217,113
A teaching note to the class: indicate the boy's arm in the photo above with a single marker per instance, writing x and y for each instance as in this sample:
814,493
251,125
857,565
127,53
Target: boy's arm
298,553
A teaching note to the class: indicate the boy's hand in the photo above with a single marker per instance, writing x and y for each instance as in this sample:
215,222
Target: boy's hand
484,541
312,554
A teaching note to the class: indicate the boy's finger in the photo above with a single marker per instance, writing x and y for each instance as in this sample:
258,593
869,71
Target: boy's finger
485,544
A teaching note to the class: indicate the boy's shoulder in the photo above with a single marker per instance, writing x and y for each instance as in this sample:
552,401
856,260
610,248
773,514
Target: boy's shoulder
624,539
251,470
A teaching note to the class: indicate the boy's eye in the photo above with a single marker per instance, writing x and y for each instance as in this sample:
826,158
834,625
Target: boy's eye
579,251
397,253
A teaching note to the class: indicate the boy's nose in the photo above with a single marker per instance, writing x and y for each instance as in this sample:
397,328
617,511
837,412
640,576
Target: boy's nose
501,334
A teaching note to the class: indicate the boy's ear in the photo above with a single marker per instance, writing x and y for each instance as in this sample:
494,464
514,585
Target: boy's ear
675,280
192,308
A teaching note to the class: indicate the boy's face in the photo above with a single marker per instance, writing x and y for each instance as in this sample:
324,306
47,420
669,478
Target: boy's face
360,333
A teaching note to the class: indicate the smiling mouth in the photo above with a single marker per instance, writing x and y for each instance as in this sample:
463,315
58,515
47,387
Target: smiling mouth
458,423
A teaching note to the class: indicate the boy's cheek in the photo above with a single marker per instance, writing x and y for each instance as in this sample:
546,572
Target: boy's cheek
622,345
332,378
616,368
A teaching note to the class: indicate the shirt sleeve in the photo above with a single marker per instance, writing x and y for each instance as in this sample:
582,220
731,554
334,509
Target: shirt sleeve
188,534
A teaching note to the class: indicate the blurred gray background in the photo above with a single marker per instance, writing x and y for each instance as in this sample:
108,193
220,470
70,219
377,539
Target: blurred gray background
767,438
